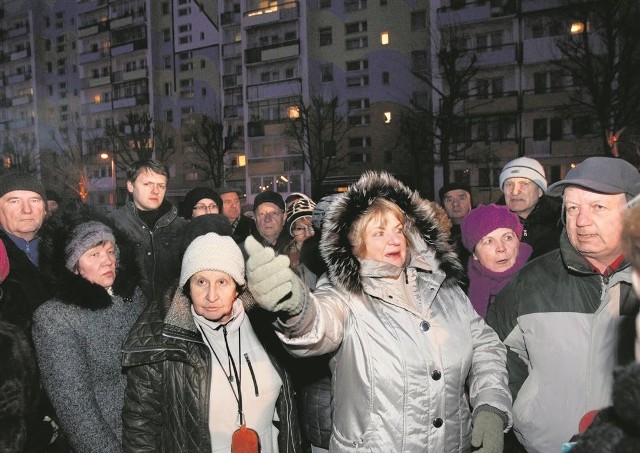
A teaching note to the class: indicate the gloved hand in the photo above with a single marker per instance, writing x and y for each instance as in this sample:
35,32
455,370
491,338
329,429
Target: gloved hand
488,432
273,284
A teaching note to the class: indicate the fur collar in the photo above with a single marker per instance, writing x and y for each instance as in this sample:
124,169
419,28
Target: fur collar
68,287
423,221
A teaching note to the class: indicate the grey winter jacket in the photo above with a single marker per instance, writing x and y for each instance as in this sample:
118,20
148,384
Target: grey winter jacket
157,248
168,382
559,320
406,341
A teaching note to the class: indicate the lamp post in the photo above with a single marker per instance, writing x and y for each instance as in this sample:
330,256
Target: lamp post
105,156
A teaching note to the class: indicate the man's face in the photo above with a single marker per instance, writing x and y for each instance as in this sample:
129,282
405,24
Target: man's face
22,213
594,224
521,195
231,205
457,203
148,190
269,221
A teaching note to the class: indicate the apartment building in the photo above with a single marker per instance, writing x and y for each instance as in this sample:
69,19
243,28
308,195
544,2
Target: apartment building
518,103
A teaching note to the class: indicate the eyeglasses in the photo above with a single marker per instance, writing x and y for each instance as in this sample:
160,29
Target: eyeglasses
297,231
205,208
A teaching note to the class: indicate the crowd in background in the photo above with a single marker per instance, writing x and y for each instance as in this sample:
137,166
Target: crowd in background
371,320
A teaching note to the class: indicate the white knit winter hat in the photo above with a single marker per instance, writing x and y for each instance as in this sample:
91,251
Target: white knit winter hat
524,167
212,252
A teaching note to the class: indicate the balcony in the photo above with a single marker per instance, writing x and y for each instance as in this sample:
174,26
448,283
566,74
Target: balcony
18,78
127,76
271,14
21,123
17,32
507,102
233,111
490,56
22,100
91,82
466,13
131,101
232,80
273,52
229,18
132,46
25,53
93,29
231,50
274,89
91,56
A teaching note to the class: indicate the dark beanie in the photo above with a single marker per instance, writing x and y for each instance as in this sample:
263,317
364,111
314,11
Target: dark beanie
203,224
17,180
453,186
194,196
268,196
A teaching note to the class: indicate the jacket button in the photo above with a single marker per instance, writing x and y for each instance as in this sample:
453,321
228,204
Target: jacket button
436,375
424,326
438,422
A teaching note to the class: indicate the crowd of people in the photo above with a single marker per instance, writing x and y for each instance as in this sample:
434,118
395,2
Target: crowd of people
370,320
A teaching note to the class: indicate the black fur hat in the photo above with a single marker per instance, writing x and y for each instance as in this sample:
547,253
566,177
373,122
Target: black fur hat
57,233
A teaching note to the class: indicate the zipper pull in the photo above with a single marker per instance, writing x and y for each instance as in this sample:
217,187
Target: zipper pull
253,375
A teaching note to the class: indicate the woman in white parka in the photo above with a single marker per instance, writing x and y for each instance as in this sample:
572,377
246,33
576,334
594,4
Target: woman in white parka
414,367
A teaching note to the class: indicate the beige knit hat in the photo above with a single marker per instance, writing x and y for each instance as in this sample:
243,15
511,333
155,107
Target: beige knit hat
212,252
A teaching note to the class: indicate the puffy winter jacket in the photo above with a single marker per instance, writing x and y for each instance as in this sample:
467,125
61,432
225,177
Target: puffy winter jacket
168,381
559,320
406,341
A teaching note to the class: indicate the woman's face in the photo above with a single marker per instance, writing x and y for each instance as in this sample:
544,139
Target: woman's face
385,241
213,294
98,264
498,250
302,230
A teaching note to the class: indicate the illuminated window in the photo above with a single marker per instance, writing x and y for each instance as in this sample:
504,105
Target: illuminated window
242,160
576,28
387,117
96,99
293,112
384,38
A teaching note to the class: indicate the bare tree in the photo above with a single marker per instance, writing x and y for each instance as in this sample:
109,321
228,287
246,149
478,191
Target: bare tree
68,159
414,136
162,145
211,144
319,132
456,68
603,60
131,139
20,149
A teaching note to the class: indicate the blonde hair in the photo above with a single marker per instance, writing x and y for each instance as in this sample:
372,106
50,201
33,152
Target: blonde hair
375,213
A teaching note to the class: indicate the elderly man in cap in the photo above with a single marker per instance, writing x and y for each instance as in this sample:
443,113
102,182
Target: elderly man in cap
455,198
22,212
559,317
523,182
269,215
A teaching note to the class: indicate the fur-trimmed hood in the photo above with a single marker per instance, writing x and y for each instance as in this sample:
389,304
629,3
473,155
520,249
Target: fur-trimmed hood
423,221
71,288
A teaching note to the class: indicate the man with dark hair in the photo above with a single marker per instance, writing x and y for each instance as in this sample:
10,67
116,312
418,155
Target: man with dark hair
153,224
269,215
242,225
455,198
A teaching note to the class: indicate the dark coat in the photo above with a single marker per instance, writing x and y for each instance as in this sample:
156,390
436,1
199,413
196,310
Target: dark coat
616,429
542,227
157,248
168,381
243,229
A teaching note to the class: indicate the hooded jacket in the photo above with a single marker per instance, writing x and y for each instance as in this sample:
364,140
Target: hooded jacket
79,332
560,321
169,372
405,341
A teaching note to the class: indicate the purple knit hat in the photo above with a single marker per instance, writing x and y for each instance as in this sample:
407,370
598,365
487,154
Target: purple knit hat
483,220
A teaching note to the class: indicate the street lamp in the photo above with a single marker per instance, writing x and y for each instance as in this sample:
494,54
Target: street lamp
105,156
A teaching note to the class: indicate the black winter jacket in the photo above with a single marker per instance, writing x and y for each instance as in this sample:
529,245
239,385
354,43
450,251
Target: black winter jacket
542,227
157,248
168,371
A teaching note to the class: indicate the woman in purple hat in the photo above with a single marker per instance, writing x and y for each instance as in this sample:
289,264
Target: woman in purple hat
492,235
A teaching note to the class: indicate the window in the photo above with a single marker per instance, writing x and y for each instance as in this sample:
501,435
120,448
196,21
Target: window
418,20
167,62
185,39
496,40
496,87
556,129
354,5
325,36
357,43
540,82
167,88
357,104
327,73
384,38
419,60
540,129
169,116
581,125
355,27
359,157
482,88
360,142
165,8
184,11
166,35
325,3
184,28
481,42
359,120
556,81
357,65
387,117
358,81
385,78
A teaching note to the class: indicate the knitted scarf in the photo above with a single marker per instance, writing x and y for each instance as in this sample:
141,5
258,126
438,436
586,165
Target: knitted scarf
485,284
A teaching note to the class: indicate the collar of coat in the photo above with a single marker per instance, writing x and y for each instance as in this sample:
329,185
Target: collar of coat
423,226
